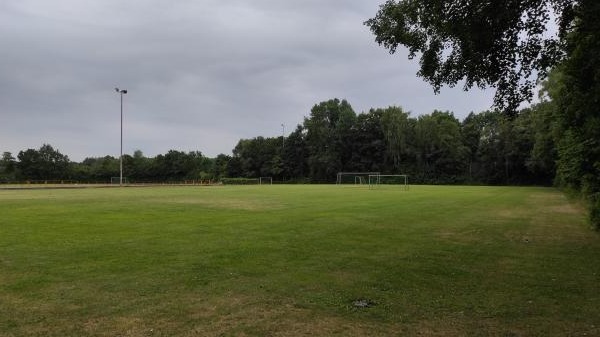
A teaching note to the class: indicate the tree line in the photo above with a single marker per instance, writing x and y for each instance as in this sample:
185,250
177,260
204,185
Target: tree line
436,148
48,164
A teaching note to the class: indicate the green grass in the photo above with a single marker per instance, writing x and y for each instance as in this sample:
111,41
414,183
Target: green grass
291,260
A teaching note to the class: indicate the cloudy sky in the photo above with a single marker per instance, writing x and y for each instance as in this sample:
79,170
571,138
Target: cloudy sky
201,74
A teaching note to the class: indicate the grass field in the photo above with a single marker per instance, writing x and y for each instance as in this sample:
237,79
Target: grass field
297,260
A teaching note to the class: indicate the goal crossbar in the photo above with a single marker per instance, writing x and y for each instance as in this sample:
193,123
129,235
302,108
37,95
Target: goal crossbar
265,181
119,180
355,174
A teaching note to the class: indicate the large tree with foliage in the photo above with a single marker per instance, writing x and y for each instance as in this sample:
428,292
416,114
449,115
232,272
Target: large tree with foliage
395,126
498,43
440,153
368,144
45,163
7,167
578,100
295,155
258,157
328,138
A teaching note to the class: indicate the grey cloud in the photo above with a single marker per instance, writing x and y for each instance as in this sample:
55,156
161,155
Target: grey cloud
200,74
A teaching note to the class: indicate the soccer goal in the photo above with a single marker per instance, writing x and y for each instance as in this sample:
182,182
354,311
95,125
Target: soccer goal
117,180
356,178
378,180
265,181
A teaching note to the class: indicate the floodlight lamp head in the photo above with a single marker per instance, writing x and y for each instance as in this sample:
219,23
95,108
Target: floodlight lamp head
121,91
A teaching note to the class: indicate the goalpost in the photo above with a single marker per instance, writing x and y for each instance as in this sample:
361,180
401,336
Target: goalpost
265,181
359,180
356,178
117,180
377,180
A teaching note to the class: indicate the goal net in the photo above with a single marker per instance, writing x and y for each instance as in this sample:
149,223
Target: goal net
117,180
355,178
379,180
265,181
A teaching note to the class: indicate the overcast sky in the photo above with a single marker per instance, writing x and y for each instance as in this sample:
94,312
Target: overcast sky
201,74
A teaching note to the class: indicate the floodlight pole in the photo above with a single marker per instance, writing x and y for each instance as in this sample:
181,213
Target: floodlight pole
283,136
121,92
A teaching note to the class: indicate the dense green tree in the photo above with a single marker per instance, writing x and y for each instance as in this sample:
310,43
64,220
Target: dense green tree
99,169
172,166
328,132
471,129
502,43
129,171
139,167
440,153
198,166
219,169
259,157
175,165
46,163
8,167
396,131
500,149
343,133
368,144
295,155
539,122
80,172
234,167
250,153
518,136
275,168
493,158
578,164
178,165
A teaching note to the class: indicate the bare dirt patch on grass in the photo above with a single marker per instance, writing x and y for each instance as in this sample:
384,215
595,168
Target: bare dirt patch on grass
235,315
543,218
555,219
246,316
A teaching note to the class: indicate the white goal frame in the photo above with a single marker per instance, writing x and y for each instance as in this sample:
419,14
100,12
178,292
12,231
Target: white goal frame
117,180
265,181
357,176
359,180
375,180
